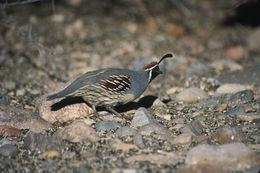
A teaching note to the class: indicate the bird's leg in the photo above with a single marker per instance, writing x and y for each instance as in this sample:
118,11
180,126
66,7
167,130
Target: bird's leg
95,110
110,109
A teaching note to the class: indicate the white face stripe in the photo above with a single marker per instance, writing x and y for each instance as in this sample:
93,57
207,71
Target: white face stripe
150,75
151,68
150,71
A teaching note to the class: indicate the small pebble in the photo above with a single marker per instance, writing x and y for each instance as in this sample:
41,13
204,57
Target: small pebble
125,170
226,135
107,125
20,92
9,150
211,104
154,127
138,140
220,65
50,154
125,131
196,127
183,139
179,120
158,103
238,110
243,96
123,146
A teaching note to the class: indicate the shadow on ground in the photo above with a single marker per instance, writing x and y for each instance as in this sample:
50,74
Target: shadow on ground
146,101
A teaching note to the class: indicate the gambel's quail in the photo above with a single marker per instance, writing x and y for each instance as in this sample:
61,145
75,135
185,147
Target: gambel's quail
110,87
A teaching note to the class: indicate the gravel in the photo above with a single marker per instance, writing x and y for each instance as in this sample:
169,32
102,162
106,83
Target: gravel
200,115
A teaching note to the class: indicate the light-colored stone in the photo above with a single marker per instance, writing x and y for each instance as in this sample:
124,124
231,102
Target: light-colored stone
123,146
192,95
125,131
220,65
141,117
107,125
254,40
161,131
78,131
183,139
235,156
230,88
173,90
159,159
125,170
50,154
249,117
158,103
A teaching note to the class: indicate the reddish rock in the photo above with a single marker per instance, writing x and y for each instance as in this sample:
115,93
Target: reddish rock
176,30
6,130
151,24
235,53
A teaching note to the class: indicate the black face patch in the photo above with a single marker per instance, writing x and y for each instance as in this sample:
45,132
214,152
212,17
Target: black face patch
155,72
116,83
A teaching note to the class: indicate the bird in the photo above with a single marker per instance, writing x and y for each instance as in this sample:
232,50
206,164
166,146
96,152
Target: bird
110,87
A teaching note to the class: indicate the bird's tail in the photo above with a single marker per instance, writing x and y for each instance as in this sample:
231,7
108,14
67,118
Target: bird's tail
55,96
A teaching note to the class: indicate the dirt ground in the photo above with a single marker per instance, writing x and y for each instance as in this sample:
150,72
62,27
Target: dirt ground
49,42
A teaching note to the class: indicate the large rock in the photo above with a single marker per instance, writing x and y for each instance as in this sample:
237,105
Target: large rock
21,119
39,142
235,156
62,110
78,131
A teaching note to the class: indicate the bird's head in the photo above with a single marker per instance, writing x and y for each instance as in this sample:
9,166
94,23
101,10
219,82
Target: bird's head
153,67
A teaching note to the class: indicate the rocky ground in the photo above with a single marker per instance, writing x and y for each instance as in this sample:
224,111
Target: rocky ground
201,115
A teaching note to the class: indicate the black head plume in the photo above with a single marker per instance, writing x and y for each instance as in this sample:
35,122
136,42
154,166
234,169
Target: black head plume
168,55
154,63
